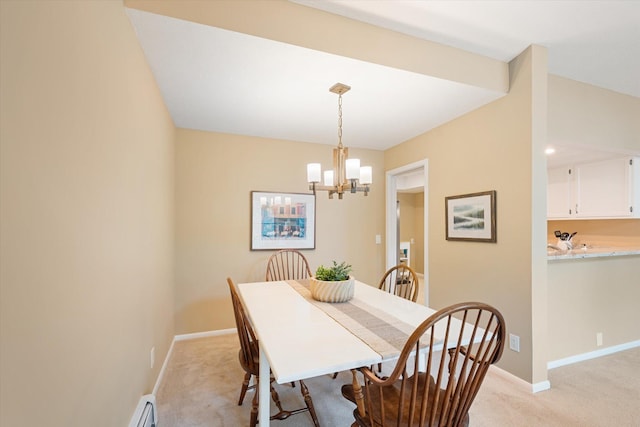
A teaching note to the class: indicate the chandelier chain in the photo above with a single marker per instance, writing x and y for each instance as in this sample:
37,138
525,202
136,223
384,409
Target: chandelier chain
340,120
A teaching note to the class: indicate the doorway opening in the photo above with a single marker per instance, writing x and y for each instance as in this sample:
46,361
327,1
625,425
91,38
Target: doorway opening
408,182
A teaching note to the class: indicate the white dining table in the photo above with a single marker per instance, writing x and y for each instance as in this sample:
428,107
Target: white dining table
298,340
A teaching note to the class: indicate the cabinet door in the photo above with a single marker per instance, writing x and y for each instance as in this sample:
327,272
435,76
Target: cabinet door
559,202
603,189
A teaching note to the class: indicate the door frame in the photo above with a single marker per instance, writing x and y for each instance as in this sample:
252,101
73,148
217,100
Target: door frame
391,217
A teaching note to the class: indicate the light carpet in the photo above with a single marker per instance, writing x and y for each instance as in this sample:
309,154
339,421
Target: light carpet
202,380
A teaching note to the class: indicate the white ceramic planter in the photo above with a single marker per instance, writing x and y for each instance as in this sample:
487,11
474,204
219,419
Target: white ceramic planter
341,291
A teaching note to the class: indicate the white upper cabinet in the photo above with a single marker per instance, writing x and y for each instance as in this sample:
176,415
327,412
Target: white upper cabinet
559,194
603,189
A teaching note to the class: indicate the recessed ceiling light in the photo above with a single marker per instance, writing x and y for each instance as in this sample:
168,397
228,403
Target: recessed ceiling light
549,150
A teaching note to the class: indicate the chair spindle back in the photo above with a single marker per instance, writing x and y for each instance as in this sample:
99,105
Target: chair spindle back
437,388
287,264
401,280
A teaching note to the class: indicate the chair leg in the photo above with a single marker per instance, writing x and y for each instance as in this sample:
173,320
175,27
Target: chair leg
245,386
254,408
307,400
276,399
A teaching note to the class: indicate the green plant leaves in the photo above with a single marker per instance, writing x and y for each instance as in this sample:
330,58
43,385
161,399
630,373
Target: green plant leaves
334,273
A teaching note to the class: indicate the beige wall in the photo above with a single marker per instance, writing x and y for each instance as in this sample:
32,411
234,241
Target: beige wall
412,226
86,205
215,174
468,155
587,116
590,296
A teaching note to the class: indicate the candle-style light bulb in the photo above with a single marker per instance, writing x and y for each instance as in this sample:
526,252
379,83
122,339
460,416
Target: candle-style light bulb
353,168
366,175
328,178
313,172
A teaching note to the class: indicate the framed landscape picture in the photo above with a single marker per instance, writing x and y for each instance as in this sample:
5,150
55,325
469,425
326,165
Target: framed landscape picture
471,217
282,221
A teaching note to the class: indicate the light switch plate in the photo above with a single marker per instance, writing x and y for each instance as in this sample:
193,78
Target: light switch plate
514,342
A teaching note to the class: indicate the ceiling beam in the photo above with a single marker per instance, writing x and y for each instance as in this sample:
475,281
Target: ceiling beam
311,28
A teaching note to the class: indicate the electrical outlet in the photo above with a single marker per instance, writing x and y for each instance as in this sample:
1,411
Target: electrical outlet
153,356
599,339
378,239
514,342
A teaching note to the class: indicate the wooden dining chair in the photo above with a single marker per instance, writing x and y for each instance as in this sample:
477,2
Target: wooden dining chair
438,387
401,280
250,361
287,264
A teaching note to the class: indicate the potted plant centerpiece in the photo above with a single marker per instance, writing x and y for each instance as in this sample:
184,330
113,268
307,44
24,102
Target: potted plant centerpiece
332,284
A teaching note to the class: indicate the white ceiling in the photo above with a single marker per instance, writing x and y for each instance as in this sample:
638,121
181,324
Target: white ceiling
217,80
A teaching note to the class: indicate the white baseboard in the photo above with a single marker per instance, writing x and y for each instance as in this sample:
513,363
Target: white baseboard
185,337
546,385
541,386
195,335
592,354
519,382
156,386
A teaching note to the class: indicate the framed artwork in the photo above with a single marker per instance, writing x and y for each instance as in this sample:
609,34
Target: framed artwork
471,217
282,221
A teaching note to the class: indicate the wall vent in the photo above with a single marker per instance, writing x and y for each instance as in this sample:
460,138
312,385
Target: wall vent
146,414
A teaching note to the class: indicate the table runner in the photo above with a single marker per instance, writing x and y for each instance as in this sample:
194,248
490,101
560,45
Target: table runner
384,333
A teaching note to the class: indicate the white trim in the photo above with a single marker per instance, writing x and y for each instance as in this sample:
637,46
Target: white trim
546,385
592,354
390,210
205,334
541,386
156,386
185,337
390,207
519,382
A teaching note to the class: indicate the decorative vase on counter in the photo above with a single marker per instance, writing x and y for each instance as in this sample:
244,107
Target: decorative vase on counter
332,291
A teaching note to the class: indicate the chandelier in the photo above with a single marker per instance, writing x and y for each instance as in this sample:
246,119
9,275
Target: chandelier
347,175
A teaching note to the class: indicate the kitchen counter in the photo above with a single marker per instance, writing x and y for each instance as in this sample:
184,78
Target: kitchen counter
591,252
